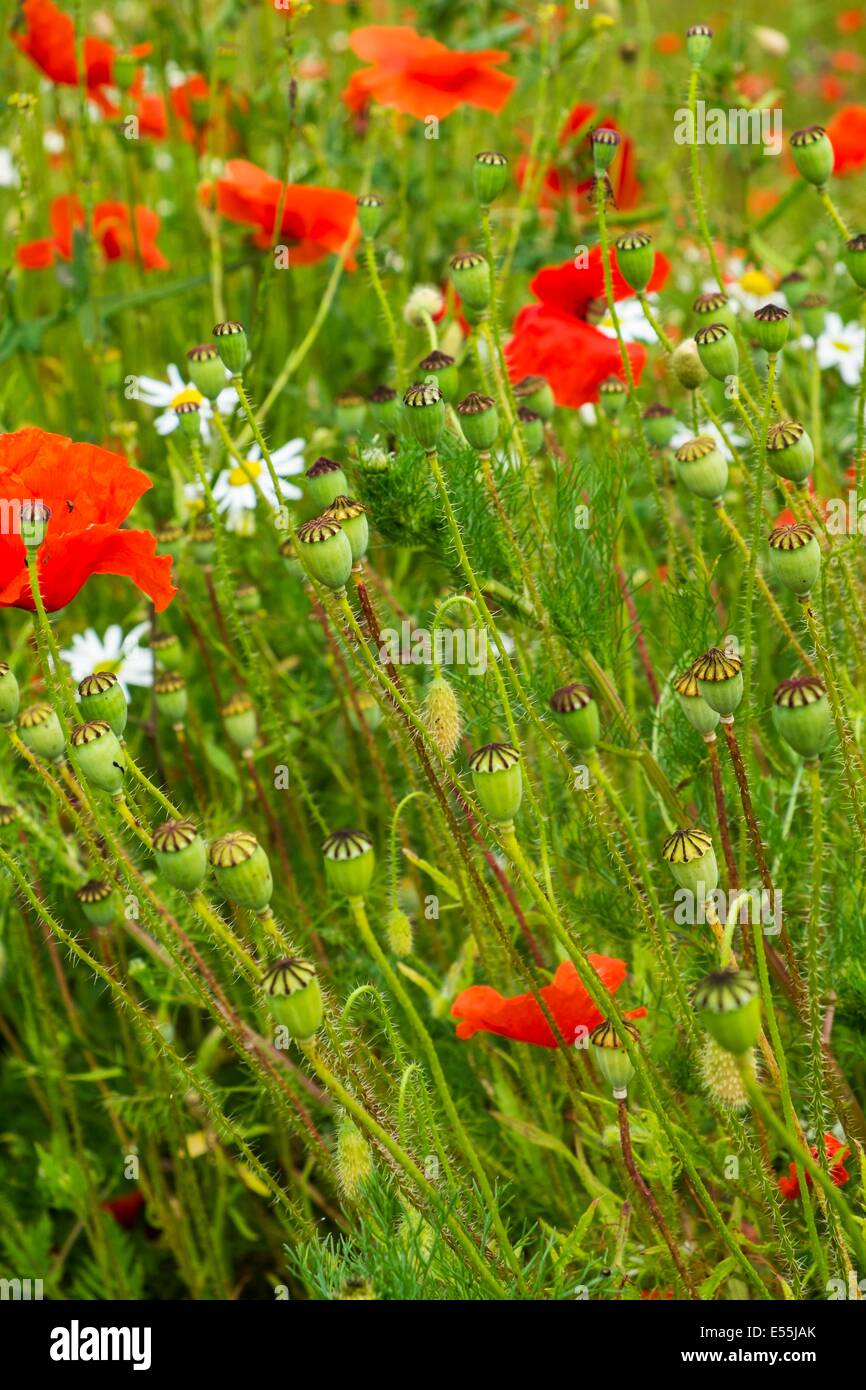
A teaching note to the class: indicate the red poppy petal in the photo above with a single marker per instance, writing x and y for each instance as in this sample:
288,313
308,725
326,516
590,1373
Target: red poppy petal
67,562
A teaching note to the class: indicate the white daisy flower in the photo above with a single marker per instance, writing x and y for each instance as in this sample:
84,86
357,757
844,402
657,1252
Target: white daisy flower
132,664
8,171
633,323
841,346
237,489
747,287
168,395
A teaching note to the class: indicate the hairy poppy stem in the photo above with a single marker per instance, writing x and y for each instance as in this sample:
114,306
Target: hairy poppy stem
648,1196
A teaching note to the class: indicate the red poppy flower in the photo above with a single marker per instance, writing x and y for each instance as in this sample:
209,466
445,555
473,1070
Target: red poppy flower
111,227
421,77
482,1009
48,39
89,492
847,132
316,221
571,175
790,1187
849,21
125,1209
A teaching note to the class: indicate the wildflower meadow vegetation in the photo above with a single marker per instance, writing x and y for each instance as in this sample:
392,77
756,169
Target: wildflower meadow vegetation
433,651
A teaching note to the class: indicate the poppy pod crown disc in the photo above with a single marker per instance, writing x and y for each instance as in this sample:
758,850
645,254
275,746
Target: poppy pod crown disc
694,449
570,698
791,537
174,835
346,844
799,691
36,714
686,845
349,862
710,303
475,404
232,849
97,683
345,508
692,861
687,685
716,665
494,757
724,990
287,976
319,529
169,683
323,466
91,732
95,890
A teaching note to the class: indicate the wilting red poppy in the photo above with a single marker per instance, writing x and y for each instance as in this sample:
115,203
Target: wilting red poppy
790,1187
847,132
421,77
89,492
111,227
553,339
571,174
316,221
48,39
482,1009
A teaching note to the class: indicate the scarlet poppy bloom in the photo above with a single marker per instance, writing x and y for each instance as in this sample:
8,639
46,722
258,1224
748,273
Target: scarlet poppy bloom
553,339
125,1209
790,1187
482,1009
316,221
89,492
572,176
48,39
421,77
847,132
111,227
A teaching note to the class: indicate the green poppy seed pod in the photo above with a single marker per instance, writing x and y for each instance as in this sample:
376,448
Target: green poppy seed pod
441,715
813,311
771,323
536,393
180,854
293,997
444,371
605,143
325,481
802,715
349,862
248,599
399,931
687,365
660,425
795,557
225,61
611,1057
124,69
98,755
167,651
489,175
813,154
470,275
102,697
718,350
715,307
699,38
729,1009
702,468
612,396
855,259
479,421
10,695
172,699
636,259
241,870
41,730
325,551
692,861
8,816
498,780
33,519
206,370
350,411
789,450
232,346
239,718
189,418
424,408
371,210
385,405
203,538
532,429
693,705
100,903
576,712
289,553
170,540
720,680
352,517
795,288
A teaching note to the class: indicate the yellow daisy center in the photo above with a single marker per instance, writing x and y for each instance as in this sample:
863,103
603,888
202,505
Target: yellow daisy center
189,396
842,347
756,282
239,476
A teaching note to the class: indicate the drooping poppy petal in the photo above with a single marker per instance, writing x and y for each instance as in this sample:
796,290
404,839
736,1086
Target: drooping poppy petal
422,77
316,222
111,227
570,288
573,356
847,132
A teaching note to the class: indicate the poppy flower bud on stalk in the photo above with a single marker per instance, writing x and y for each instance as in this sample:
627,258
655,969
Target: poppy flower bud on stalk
813,311
699,38
33,520
693,705
532,429
611,1058
605,143
489,175
10,695
441,715
635,258
687,365
660,425
239,718
98,755
498,781
172,700
729,1009
576,712
795,557
400,934
241,870
293,996
352,517
771,324
612,396
99,902
470,275
813,154
41,731
124,70
371,209
701,467
479,421
232,346
855,259
425,410
443,369
325,551
789,451
692,861
802,715
101,697
206,370
717,350
722,1077
715,307
720,680
349,862
354,1159
536,393
180,854
325,481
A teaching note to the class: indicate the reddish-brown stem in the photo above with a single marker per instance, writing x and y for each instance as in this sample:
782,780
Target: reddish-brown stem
634,619
647,1194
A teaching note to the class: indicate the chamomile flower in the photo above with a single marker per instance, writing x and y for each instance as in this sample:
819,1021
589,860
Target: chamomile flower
114,651
237,489
841,346
748,287
633,324
8,171
168,395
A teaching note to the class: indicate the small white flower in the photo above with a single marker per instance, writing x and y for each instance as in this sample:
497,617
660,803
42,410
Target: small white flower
168,395
54,141
633,323
237,489
841,346
8,171
746,287
424,299
132,664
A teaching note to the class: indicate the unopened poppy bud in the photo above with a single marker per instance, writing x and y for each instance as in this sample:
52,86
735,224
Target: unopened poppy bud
180,854
855,259
795,288
354,1159
385,405
203,539
10,695
715,307
717,349
532,429
172,699
33,520
170,540
424,408
498,780
444,371
692,861
536,393
720,680
729,1009
771,323
612,396
371,210
693,705
102,697
635,258
124,69
795,557
660,424
349,862
293,996
479,421
41,730
232,346
441,715
248,599
349,413
241,870
701,467
399,930
489,175
325,481
206,370
239,718
610,1055
687,365
802,715
605,143
98,754
289,553
789,450
576,712
325,551
166,649
352,517
470,275
722,1077
813,311
813,154
99,901
699,38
